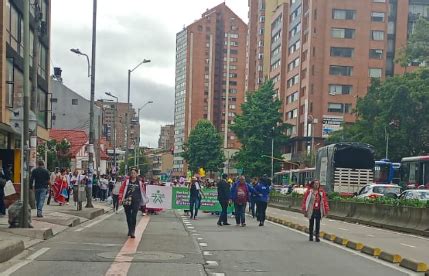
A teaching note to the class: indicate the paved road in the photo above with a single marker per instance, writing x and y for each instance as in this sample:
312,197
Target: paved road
172,245
407,245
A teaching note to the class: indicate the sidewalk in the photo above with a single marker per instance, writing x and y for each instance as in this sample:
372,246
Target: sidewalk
55,220
406,245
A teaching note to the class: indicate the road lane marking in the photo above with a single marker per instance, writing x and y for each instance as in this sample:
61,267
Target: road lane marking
122,262
25,262
344,229
395,267
212,263
96,222
207,253
404,244
203,244
200,239
372,236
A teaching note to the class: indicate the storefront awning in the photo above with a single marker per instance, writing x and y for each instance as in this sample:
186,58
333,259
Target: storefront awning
7,128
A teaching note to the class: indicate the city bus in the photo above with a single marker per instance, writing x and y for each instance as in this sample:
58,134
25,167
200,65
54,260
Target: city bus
294,177
415,172
386,172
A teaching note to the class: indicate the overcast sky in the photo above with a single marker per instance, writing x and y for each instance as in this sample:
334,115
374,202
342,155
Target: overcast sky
128,31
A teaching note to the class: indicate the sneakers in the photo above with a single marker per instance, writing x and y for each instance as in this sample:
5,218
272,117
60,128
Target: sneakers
317,239
219,223
243,225
226,223
310,239
261,224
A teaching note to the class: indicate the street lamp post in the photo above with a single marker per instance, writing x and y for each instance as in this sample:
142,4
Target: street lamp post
114,127
91,73
127,117
138,145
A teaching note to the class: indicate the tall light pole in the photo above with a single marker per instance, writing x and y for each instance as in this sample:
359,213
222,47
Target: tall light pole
114,128
91,68
127,117
138,144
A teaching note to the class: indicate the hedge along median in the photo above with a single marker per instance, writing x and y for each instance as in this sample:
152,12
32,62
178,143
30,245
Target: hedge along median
400,218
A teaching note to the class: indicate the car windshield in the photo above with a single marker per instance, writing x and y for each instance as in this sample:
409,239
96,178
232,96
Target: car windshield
423,195
386,190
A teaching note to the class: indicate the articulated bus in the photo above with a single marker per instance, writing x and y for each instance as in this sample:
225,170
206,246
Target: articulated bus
415,171
298,177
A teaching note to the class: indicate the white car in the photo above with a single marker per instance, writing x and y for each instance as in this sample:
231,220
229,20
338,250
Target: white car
422,195
379,190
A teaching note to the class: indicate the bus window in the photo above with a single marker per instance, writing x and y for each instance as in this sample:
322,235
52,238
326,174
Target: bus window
381,173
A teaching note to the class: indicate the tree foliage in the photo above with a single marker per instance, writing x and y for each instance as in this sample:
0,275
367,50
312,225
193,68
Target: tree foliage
259,122
417,49
204,148
143,163
399,106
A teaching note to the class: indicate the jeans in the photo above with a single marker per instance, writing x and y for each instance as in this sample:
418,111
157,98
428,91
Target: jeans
103,194
252,207
194,201
223,218
316,216
75,193
40,200
261,207
240,216
115,202
131,213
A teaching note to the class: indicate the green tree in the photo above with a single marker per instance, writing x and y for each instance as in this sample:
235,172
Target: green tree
204,148
259,122
397,106
143,164
418,44
63,154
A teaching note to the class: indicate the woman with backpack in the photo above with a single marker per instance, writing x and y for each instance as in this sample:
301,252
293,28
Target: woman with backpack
240,194
315,206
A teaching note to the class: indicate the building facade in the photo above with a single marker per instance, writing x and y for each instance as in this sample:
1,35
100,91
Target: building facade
322,56
210,76
166,138
12,77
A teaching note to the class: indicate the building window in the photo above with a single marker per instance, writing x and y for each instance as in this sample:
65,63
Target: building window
343,33
292,81
377,35
275,65
339,108
374,72
338,70
294,47
292,114
74,101
342,52
379,1
377,16
295,30
292,97
376,53
343,14
293,64
9,83
340,89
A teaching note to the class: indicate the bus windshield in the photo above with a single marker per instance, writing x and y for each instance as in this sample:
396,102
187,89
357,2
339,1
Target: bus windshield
381,173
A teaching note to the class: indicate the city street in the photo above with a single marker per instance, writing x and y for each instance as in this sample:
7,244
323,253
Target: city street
171,244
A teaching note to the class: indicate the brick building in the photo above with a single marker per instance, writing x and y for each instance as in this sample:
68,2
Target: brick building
210,69
166,137
322,55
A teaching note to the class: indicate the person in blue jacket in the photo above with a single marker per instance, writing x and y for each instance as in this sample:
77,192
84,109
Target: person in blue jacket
263,195
240,194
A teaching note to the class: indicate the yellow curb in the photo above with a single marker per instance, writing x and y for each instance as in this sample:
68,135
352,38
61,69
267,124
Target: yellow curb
413,265
371,251
322,234
341,241
355,245
329,237
391,258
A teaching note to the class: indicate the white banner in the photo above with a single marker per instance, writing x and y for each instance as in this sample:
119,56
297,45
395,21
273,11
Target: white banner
159,196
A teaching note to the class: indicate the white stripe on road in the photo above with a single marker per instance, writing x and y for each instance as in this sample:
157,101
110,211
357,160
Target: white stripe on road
404,244
25,262
97,221
403,270
207,253
203,244
372,236
344,229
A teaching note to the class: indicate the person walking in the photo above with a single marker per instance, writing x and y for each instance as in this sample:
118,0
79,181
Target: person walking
115,194
223,196
74,182
315,206
194,197
131,196
104,183
240,193
262,197
41,179
253,198
2,185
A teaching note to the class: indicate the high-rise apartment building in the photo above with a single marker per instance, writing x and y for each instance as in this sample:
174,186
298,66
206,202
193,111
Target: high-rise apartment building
114,115
210,74
322,56
166,138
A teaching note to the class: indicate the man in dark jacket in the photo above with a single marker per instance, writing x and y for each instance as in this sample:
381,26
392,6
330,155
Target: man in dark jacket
223,195
41,179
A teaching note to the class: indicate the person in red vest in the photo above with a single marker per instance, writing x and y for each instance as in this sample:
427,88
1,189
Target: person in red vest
315,206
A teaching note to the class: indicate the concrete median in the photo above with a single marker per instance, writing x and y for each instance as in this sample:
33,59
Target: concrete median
340,241
329,237
413,265
372,251
391,258
354,245
88,213
9,249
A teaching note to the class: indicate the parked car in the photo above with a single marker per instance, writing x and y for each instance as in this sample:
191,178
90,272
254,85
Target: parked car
422,195
379,190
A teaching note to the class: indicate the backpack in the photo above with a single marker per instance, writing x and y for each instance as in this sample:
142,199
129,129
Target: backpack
241,194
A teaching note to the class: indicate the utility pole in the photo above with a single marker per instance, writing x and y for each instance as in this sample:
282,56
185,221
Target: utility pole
25,129
272,154
91,111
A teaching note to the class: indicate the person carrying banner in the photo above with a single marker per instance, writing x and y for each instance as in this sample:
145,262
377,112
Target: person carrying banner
223,196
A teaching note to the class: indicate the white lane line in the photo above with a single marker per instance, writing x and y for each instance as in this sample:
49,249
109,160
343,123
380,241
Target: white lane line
404,244
203,244
25,262
372,236
96,222
398,268
217,274
190,227
331,220
344,229
323,224
207,253
196,234
200,239
212,263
